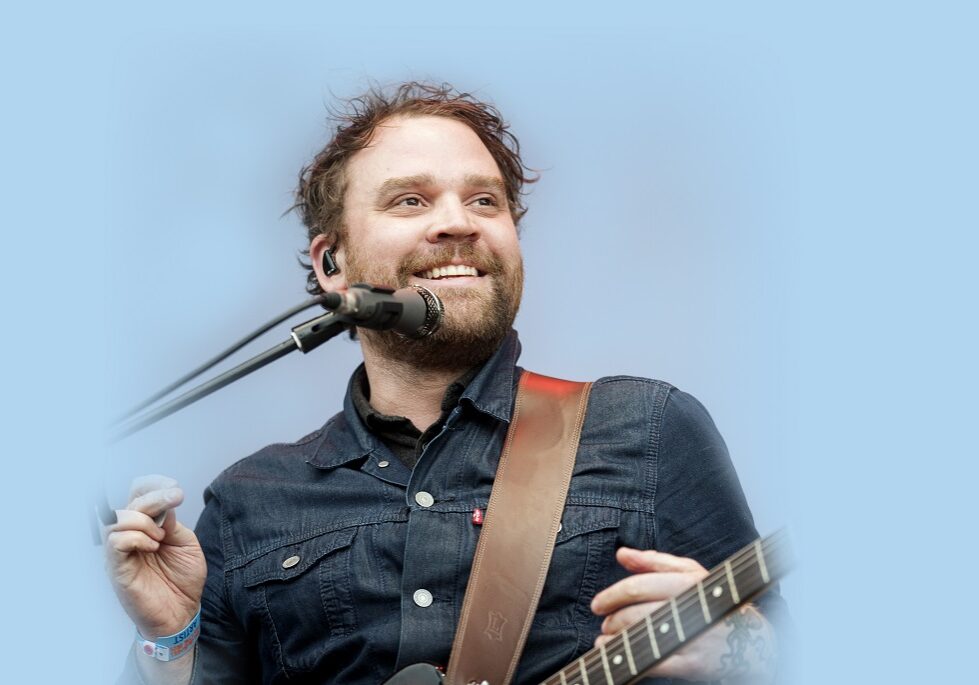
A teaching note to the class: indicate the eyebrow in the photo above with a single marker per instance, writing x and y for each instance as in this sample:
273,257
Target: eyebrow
481,181
405,182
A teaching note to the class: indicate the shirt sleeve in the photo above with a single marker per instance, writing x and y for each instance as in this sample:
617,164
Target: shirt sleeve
700,509
223,654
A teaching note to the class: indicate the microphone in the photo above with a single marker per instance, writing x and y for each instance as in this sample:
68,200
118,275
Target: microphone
413,311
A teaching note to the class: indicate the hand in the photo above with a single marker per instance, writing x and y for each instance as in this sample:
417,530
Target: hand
157,572
740,646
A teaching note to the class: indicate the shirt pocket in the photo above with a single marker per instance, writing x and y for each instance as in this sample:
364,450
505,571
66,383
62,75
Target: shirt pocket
303,592
582,563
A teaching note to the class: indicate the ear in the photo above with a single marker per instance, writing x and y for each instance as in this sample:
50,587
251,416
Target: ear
317,248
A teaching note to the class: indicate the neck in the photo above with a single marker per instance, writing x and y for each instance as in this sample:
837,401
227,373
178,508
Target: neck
400,389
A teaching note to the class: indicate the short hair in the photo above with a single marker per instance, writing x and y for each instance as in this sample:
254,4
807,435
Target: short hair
322,183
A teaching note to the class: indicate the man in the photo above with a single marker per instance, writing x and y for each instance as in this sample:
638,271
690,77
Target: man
345,555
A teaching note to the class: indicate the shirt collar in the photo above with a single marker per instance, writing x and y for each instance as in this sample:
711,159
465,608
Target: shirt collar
345,438
493,389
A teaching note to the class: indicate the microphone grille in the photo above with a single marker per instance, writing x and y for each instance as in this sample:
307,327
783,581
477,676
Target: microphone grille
434,310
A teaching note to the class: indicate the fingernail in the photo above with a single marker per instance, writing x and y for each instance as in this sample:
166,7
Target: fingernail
171,495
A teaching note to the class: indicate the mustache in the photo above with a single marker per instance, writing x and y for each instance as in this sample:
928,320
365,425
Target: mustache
484,261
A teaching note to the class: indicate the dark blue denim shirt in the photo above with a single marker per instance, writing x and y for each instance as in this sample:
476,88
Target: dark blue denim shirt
316,549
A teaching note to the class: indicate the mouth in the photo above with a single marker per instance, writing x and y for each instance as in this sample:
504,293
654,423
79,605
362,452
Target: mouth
450,272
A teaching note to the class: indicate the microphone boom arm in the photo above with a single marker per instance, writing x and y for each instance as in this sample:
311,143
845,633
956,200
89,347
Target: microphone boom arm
305,337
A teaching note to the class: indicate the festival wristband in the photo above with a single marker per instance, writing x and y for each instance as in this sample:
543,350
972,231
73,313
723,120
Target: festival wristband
173,646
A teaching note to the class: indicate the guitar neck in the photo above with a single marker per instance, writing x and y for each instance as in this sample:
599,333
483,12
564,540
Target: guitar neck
649,641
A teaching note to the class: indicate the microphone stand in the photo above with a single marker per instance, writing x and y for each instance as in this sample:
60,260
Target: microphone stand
305,337
364,305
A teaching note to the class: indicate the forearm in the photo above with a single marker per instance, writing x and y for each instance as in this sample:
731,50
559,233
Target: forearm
750,655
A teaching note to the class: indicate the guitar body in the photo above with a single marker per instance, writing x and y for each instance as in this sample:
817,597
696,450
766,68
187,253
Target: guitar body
416,674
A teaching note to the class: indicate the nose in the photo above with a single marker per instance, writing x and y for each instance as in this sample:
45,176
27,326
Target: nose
451,221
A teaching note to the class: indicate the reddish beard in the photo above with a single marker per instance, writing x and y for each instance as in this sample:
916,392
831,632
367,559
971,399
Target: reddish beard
476,320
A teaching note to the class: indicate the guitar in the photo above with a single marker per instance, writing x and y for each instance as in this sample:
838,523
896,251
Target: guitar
644,644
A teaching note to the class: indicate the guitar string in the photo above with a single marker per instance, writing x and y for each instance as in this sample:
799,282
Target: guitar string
740,561
593,659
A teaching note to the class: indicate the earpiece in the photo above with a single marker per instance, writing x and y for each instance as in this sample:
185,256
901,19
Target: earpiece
330,267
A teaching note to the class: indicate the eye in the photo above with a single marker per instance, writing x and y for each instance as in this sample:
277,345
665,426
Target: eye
486,201
409,201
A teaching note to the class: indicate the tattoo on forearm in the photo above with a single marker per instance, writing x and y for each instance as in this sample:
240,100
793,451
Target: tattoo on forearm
749,651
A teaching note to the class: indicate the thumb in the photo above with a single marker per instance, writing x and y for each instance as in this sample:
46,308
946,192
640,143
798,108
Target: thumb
176,532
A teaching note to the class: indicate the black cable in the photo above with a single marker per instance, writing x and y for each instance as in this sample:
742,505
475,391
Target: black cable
203,390
264,328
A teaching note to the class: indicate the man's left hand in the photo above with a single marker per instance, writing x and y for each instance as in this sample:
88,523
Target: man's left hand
739,648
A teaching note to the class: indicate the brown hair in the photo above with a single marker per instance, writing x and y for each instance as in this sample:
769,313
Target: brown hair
322,183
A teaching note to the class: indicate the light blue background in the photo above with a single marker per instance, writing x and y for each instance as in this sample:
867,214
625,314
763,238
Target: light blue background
772,208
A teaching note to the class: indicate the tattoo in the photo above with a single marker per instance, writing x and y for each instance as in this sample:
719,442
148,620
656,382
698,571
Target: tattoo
748,649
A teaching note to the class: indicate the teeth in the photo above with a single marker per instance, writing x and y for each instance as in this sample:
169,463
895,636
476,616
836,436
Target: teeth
451,270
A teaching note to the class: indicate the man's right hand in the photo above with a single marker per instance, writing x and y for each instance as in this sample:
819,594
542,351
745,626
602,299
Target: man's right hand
157,572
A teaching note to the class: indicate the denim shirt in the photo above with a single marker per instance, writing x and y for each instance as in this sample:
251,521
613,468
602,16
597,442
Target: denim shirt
329,561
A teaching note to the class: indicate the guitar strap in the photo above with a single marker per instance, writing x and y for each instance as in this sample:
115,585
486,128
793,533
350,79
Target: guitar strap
521,524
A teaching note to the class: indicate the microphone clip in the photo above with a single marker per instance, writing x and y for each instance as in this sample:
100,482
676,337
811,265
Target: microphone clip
415,311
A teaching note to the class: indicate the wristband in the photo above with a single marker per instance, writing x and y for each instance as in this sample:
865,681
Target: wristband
173,646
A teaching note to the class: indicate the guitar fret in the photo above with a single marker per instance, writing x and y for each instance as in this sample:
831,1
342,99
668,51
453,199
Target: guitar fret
753,568
652,636
730,581
761,562
703,602
608,673
628,653
676,620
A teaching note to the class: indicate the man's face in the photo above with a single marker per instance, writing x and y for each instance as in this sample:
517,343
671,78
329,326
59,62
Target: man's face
425,204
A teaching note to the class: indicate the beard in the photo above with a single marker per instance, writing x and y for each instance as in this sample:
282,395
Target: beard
475,321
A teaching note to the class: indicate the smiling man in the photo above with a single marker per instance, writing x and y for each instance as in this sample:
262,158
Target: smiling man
344,556
424,203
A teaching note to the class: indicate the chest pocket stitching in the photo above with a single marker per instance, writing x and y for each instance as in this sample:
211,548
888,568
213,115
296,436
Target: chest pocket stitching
579,520
268,567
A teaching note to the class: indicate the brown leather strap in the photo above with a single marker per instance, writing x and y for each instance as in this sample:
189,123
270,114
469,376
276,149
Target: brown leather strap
519,530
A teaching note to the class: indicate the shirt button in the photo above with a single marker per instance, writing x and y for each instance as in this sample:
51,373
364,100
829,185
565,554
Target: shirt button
424,499
423,598
383,464
290,562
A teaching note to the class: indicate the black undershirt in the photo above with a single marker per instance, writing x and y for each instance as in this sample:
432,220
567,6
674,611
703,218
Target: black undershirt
400,435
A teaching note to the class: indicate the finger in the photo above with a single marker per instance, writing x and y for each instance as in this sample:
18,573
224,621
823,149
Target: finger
177,534
169,522
639,561
144,484
137,520
157,502
623,618
122,543
642,587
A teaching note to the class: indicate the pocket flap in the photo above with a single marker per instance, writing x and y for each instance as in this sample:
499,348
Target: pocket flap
290,561
578,520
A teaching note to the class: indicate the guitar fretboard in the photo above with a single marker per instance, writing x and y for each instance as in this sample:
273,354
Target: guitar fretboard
645,643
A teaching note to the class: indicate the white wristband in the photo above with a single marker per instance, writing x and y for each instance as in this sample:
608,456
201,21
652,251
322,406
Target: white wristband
173,646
